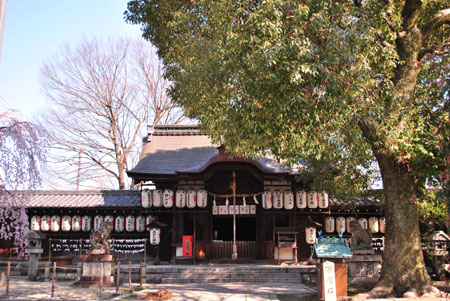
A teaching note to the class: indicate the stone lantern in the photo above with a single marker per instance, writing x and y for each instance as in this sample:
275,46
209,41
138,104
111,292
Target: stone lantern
34,247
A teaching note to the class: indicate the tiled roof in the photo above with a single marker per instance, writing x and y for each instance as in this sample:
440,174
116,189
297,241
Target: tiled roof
78,199
171,149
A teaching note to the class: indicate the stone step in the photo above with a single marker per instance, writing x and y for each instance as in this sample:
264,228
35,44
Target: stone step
228,280
231,274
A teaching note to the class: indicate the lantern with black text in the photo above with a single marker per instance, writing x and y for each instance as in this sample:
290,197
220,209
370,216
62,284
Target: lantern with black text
347,222
373,224
312,199
157,198
76,223
155,235
98,221
130,223
45,223
35,223
301,199
277,199
109,218
340,224
363,222
140,223
180,198
146,198
191,198
66,222
55,223
168,198
119,225
267,199
329,224
86,223
288,200
323,199
149,219
382,224
202,198
310,233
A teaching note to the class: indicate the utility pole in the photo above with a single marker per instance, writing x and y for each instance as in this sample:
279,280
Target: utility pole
2,22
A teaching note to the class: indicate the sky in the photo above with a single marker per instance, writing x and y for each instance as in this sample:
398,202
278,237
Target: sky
35,30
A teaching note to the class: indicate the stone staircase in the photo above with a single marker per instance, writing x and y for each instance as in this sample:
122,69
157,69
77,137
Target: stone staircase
231,273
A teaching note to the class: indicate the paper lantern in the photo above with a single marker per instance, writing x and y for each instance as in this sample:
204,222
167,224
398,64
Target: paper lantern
119,223
267,200
76,223
109,218
149,219
340,224
191,198
310,233
329,224
130,223
146,198
168,198
155,236
323,200
288,199
382,224
312,199
35,223
140,223
45,223
374,225
347,222
98,221
66,222
180,198
301,199
86,223
157,198
202,198
363,222
55,223
277,197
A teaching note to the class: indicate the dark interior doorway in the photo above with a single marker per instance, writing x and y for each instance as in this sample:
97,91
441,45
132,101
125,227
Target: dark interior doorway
245,228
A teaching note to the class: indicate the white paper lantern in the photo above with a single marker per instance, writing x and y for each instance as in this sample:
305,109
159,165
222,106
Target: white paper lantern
140,223
301,199
86,221
109,218
76,223
146,198
98,221
382,224
168,198
35,223
312,199
55,223
277,199
149,219
329,224
310,233
323,200
157,198
267,200
340,224
130,224
119,224
288,200
180,198
66,222
155,236
191,198
374,225
202,198
347,222
363,222
45,223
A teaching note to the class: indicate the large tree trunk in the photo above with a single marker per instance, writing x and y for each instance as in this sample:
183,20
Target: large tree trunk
403,265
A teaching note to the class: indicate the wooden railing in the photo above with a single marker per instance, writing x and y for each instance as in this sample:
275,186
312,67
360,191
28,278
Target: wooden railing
224,249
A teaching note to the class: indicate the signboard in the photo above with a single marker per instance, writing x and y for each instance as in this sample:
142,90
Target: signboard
329,281
187,245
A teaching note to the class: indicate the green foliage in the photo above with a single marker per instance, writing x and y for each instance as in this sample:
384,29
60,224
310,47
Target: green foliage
432,212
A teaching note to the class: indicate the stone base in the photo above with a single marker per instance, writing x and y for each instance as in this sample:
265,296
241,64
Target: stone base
91,281
364,268
91,271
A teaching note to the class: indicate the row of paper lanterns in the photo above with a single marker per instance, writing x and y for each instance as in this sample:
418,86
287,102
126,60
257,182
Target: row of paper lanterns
278,199
85,223
165,198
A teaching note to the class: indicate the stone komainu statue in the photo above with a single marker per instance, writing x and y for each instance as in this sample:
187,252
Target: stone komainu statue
99,239
361,238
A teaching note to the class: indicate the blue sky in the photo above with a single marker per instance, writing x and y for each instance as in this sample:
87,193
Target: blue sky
35,30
